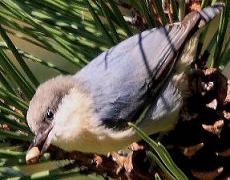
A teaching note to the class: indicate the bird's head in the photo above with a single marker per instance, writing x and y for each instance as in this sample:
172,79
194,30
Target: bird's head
44,106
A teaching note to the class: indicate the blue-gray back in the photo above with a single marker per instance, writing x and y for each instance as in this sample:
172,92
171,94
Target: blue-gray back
125,79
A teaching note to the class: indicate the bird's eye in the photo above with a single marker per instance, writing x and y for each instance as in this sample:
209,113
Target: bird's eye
49,114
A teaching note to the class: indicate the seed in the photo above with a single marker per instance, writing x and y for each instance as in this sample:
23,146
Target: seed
32,155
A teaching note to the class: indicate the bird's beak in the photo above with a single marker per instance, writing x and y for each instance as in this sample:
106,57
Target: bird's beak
42,140
39,145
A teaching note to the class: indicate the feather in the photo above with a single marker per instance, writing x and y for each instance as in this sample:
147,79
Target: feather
127,78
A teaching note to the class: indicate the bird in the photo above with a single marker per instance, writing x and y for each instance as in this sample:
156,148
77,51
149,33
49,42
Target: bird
139,80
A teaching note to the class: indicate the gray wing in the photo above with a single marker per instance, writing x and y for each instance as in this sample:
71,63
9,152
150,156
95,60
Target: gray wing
125,79
162,114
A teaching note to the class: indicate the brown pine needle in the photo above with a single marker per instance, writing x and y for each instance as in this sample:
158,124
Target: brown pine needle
207,175
225,153
216,128
192,150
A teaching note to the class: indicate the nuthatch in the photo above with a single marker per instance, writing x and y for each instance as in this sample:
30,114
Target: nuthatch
136,81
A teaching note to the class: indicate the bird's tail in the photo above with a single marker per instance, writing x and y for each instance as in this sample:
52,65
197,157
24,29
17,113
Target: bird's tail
204,16
209,13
